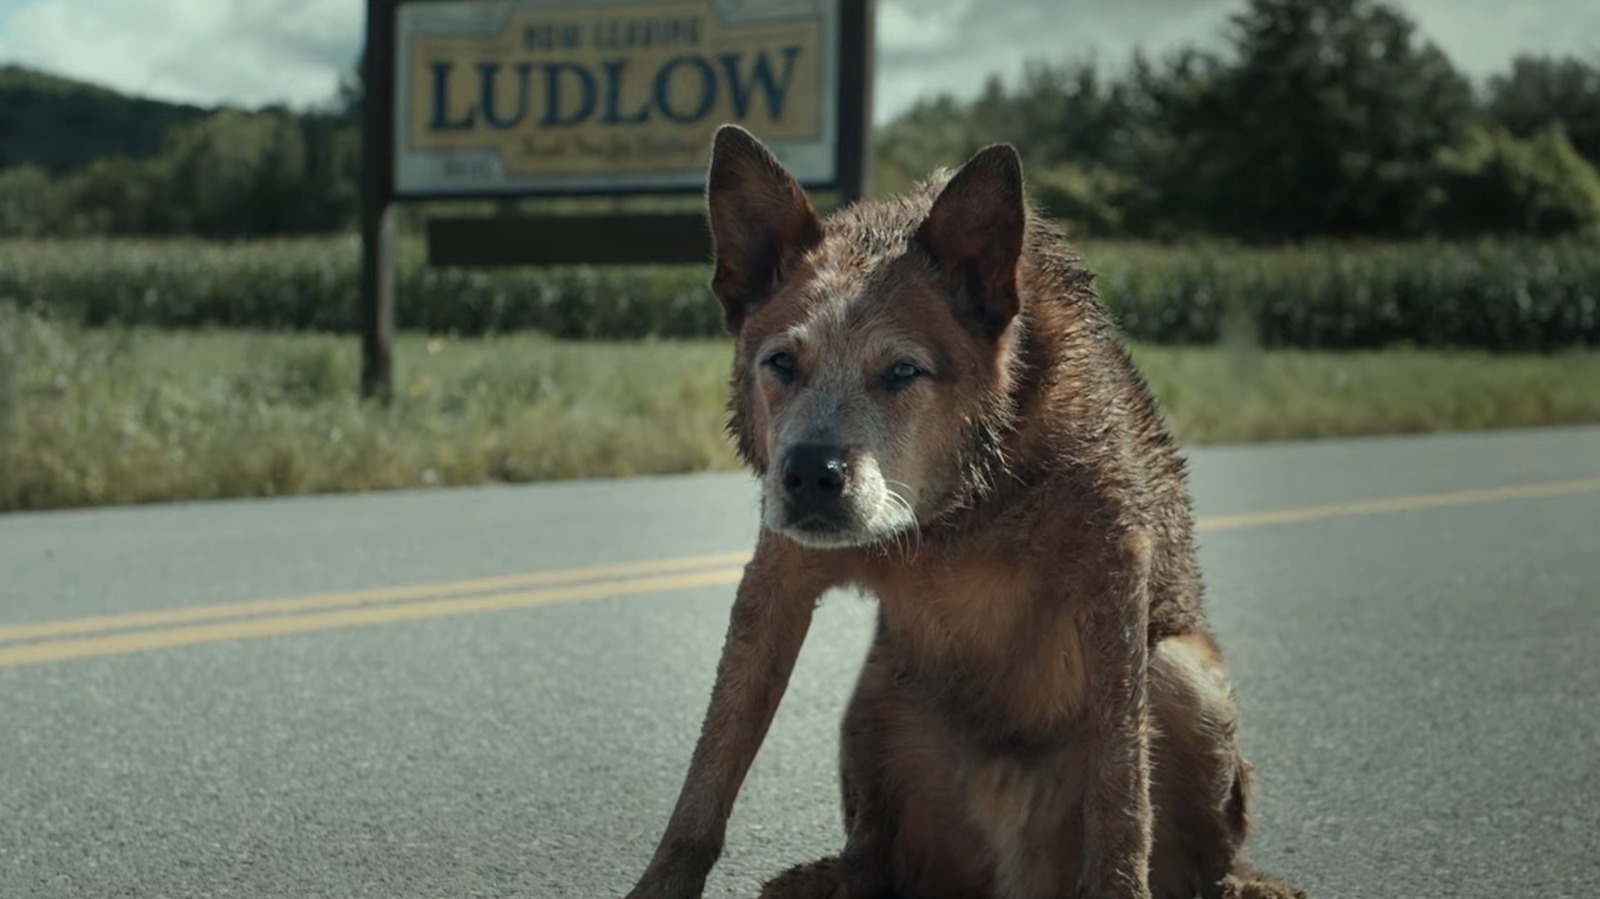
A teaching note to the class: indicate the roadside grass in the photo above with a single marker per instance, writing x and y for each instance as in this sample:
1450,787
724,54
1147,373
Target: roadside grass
116,416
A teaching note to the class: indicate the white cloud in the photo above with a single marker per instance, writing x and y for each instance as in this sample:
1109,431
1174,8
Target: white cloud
253,52
1482,36
249,52
925,26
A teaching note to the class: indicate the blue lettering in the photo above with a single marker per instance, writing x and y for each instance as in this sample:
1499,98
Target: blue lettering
776,90
708,88
614,115
441,120
684,90
552,85
488,73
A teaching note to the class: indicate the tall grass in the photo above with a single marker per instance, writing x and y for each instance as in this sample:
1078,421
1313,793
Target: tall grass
93,416
90,417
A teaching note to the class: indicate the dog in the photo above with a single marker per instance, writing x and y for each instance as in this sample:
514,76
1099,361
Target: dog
942,414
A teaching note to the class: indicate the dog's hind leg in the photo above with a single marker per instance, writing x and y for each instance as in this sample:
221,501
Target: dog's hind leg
1244,880
1202,786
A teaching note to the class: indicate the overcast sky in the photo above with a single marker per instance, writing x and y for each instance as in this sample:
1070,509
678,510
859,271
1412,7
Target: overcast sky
253,52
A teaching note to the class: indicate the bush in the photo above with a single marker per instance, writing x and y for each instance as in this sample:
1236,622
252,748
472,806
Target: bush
30,203
1086,200
1499,184
1494,295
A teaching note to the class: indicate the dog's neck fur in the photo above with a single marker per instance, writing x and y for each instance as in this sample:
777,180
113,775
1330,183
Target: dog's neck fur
1057,352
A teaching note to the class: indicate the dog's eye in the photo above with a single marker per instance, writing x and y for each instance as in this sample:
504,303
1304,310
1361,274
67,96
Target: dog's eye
901,374
783,364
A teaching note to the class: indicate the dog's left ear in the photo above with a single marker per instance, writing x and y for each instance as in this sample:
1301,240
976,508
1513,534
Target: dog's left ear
760,217
974,233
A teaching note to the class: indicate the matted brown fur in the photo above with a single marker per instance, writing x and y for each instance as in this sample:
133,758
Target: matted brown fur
941,413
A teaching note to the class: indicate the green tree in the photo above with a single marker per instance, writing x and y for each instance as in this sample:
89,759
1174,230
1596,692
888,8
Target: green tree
31,203
214,173
1328,120
229,173
1167,115
330,194
1072,113
1541,92
62,126
272,172
1498,184
935,131
116,195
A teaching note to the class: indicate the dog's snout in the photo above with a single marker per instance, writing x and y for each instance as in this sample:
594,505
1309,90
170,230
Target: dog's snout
814,473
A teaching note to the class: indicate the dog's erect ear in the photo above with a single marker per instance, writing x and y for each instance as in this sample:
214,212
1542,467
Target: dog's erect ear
760,217
974,233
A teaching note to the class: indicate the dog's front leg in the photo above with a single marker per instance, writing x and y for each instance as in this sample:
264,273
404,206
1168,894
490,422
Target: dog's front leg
770,617
1117,813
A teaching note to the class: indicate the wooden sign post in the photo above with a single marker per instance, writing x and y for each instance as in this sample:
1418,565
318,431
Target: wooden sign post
479,99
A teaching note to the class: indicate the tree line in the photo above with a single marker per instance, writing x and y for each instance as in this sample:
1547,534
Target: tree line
81,160
1315,119
1318,118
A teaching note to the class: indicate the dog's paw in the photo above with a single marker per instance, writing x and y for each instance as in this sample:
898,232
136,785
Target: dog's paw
654,890
1258,887
1120,891
823,879
653,886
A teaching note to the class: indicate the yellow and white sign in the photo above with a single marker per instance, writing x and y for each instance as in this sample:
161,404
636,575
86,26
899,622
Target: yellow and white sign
572,96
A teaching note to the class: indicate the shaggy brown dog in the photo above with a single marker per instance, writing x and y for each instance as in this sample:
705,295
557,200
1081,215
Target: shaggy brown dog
943,415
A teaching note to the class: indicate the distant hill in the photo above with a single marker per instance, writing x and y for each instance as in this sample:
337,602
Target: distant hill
60,124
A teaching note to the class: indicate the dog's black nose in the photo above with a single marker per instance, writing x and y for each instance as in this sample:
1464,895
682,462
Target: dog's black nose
814,473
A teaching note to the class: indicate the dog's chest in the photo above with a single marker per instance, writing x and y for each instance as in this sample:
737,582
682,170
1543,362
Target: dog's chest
987,641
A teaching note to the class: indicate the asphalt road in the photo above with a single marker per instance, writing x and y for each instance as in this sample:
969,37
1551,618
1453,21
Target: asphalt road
1414,650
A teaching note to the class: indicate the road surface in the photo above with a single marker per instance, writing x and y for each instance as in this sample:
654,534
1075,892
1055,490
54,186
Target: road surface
493,692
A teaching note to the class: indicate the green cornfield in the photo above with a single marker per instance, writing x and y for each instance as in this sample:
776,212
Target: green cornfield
1497,296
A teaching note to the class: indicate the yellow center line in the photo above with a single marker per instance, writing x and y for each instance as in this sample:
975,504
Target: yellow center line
169,628
194,635
1396,504
434,590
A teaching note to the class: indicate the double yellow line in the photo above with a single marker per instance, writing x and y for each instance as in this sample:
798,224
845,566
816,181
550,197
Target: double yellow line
62,641
106,635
